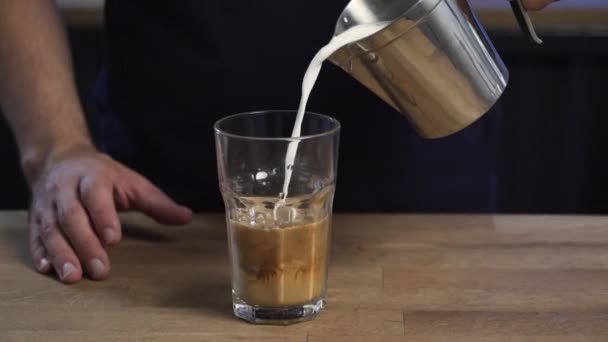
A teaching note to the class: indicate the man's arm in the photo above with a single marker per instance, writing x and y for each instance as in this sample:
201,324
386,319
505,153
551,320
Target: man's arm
37,90
75,189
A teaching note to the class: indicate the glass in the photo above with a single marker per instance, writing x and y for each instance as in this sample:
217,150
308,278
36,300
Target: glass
279,246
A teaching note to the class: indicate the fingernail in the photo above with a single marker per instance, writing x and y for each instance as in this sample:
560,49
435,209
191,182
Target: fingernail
44,262
108,235
96,267
66,270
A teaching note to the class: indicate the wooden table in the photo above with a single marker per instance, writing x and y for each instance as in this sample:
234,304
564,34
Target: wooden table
392,278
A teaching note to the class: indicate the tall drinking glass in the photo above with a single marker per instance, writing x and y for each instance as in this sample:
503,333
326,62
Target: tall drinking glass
278,243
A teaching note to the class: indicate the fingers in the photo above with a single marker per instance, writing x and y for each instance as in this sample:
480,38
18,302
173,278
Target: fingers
97,198
76,226
153,202
58,250
74,213
536,5
40,256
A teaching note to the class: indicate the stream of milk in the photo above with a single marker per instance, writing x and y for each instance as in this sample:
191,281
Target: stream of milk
351,35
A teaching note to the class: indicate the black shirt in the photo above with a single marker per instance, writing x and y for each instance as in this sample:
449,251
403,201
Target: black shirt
174,67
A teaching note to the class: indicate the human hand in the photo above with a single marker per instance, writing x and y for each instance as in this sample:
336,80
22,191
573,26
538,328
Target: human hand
73,215
535,5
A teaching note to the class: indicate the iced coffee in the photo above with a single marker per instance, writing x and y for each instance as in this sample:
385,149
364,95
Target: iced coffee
280,267
279,255
278,194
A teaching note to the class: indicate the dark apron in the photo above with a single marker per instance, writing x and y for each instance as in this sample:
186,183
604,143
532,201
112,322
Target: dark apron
173,68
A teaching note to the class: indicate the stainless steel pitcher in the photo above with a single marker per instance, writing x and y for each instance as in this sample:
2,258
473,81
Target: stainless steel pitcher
434,63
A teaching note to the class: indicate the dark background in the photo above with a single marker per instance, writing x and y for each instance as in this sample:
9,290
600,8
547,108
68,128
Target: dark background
551,156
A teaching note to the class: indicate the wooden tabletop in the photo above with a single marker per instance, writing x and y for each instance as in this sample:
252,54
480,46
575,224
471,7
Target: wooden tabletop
392,278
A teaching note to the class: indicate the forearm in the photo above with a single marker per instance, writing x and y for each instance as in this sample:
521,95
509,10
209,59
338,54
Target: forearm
37,91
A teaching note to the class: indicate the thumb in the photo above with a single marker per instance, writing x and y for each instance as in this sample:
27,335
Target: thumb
536,5
156,204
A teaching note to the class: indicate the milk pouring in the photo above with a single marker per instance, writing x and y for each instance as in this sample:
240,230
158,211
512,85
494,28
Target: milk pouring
349,36
431,60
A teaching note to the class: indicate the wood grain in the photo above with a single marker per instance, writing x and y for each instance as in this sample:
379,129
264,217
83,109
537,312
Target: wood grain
392,278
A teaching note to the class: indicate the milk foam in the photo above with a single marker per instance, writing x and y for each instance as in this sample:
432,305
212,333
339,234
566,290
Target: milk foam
351,35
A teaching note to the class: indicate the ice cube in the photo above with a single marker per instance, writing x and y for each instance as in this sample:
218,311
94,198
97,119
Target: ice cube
261,175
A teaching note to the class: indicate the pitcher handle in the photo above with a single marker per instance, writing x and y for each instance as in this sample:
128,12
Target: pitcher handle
523,19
